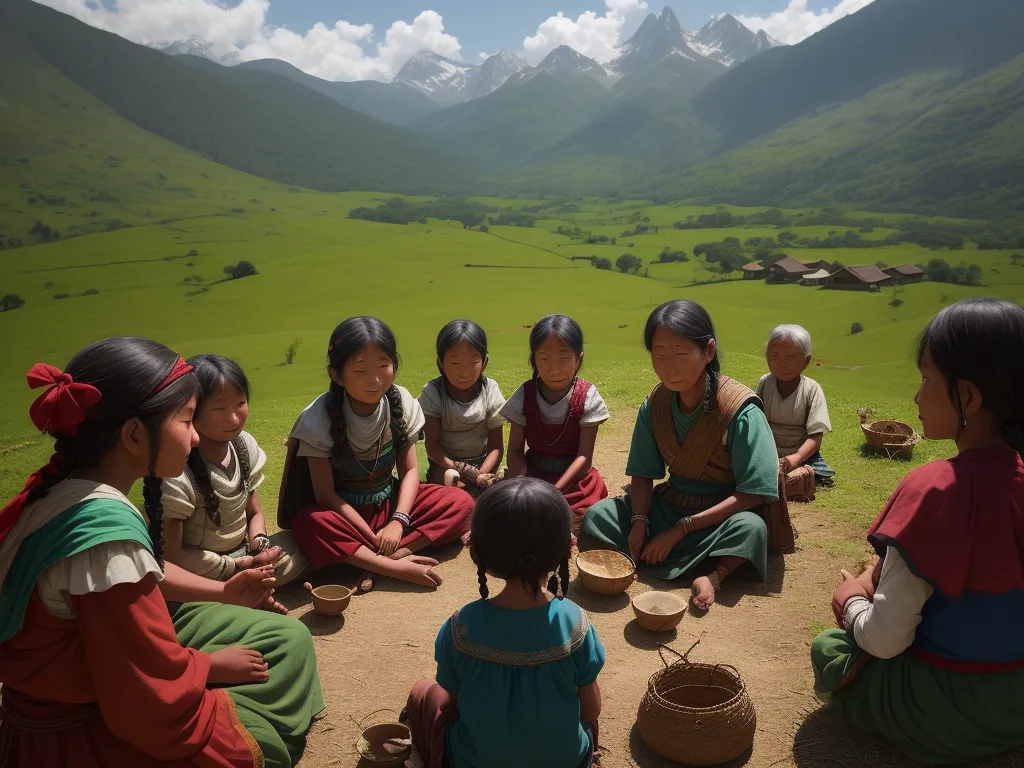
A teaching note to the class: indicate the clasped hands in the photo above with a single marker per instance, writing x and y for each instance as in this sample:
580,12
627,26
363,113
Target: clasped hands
855,586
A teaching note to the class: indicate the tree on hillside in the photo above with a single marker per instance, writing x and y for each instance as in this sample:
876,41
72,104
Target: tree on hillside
601,262
11,301
628,263
240,270
470,219
1016,258
937,271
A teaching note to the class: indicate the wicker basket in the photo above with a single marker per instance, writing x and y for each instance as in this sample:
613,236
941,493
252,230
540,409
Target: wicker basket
606,571
697,714
893,438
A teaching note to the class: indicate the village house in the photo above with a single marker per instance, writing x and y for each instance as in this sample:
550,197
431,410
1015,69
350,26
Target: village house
905,273
816,278
754,271
788,270
864,278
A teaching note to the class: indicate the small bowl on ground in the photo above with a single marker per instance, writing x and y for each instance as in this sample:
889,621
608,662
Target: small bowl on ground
385,744
606,571
659,611
330,599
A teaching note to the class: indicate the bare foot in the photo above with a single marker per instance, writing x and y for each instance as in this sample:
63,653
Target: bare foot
466,538
703,593
418,570
401,553
367,580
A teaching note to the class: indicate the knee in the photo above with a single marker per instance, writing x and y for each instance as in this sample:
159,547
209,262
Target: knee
827,645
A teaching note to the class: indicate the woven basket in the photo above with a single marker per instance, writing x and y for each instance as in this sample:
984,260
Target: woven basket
697,714
606,571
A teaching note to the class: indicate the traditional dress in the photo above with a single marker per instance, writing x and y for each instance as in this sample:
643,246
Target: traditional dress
93,674
553,436
209,549
516,675
464,426
710,455
795,418
935,663
363,477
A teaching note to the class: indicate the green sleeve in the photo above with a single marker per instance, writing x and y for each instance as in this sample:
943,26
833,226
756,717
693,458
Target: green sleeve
588,659
644,457
755,461
446,657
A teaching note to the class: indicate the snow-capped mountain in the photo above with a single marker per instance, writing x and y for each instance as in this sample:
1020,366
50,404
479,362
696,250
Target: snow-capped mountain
448,82
565,60
197,46
658,38
728,41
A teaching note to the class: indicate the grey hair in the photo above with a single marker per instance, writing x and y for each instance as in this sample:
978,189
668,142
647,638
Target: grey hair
795,334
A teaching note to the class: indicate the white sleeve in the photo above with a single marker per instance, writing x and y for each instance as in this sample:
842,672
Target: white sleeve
257,460
761,384
430,400
413,415
313,430
885,627
595,411
494,401
818,422
513,409
178,497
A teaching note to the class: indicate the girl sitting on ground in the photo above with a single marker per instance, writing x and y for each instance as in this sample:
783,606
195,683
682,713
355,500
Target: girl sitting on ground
340,495
93,670
795,406
710,431
516,673
213,520
462,407
931,650
555,416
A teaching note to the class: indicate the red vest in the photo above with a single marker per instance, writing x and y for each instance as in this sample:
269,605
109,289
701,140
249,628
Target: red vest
549,441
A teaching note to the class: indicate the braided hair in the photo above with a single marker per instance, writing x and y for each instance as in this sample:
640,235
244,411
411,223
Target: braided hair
350,338
562,326
214,372
689,320
521,530
126,370
456,332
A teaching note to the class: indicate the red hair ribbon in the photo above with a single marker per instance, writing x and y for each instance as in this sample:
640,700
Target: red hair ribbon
62,407
181,368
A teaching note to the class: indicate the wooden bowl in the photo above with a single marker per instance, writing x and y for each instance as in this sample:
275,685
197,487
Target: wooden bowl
330,599
385,744
659,611
606,571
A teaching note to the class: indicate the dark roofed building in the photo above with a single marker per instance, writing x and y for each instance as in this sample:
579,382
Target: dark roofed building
865,278
788,270
905,273
754,271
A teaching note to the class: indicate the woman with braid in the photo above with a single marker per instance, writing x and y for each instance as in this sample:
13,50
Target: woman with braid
213,520
339,494
712,435
516,672
95,671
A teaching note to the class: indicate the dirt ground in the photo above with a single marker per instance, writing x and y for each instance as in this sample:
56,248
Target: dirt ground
370,657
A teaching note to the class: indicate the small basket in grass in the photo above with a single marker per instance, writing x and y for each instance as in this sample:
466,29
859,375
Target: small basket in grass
893,438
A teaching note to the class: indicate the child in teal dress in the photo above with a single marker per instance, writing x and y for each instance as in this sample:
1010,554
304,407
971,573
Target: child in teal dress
517,673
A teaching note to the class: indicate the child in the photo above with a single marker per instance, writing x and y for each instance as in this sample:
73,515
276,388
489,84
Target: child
710,432
516,673
463,411
339,494
796,409
213,520
932,654
91,669
555,415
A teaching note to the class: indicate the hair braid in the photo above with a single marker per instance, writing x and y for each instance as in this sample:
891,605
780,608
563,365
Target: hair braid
714,371
201,473
481,577
398,436
50,479
336,413
563,576
244,461
152,493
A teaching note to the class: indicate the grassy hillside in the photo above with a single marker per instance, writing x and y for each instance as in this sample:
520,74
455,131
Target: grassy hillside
250,120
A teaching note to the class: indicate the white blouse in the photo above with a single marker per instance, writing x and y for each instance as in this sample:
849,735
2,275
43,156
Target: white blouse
595,411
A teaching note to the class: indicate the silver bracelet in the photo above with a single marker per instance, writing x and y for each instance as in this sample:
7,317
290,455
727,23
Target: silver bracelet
643,518
404,519
688,525
259,543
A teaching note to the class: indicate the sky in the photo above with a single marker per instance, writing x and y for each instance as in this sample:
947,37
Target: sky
372,39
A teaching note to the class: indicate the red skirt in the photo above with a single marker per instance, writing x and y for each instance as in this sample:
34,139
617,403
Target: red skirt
582,495
431,710
439,513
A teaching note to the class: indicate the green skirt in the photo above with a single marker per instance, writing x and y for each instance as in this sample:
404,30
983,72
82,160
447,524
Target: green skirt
277,713
930,714
745,535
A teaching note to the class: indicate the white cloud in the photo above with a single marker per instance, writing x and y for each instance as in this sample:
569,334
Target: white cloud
796,22
590,34
343,51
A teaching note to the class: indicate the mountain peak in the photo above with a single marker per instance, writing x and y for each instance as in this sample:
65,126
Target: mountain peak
448,82
566,60
729,41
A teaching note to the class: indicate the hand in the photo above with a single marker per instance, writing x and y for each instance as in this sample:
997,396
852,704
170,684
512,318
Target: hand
253,588
390,537
268,556
637,539
789,463
659,547
850,588
419,570
486,480
237,665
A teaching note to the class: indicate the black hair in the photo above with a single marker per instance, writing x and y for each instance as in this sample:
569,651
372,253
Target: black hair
982,341
213,372
521,530
350,338
562,326
688,320
456,332
126,370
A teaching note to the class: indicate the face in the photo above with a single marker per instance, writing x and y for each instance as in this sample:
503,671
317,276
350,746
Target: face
177,439
367,375
557,363
679,362
786,361
223,414
940,418
463,365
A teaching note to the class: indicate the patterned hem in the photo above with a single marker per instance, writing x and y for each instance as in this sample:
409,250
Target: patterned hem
519,658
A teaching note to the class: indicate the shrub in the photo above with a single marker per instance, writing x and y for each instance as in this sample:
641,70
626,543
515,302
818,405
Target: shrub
628,263
601,263
193,252
856,328
11,301
289,354
62,295
90,292
240,270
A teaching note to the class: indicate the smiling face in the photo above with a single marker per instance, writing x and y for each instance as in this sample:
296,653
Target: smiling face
177,439
939,416
463,365
557,363
367,375
679,362
223,414
786,361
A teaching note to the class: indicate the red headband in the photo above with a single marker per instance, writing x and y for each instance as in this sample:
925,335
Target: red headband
181,368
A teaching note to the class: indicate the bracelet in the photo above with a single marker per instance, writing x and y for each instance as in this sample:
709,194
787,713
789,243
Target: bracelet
259,543
642,518
403,518
688,525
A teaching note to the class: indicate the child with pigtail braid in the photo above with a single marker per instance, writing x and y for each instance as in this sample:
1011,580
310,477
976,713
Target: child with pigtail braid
516,679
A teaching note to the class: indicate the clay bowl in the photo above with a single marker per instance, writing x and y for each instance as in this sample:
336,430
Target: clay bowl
606,571
659,611
385,744
330,599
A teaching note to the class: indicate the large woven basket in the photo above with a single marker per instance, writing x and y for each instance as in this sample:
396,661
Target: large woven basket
697,714
894,438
